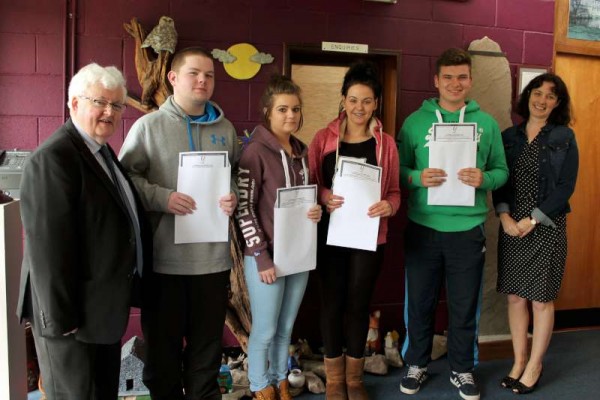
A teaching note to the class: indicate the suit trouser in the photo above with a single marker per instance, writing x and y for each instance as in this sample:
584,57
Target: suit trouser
430,255
188,308
73,370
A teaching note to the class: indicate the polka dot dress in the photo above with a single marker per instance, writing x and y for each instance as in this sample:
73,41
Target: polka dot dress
531,267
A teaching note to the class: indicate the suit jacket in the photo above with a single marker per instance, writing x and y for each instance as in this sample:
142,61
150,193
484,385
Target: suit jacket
79,251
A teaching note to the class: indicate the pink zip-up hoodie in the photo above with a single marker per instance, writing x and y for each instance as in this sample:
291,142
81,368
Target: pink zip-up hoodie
327,140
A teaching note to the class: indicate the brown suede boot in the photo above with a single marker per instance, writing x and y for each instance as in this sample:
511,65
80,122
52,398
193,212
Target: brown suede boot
284,390
354,378
267,393
335,371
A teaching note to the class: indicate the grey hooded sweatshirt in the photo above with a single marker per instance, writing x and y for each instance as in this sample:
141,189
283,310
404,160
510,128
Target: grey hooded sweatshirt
150,154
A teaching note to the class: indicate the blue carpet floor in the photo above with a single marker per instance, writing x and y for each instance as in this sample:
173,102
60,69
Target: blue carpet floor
571,372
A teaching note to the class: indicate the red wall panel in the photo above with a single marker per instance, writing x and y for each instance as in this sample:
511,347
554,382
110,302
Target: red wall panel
31,72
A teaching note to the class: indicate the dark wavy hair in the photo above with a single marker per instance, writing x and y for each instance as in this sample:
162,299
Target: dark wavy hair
561,115
364,73
453,56
279,84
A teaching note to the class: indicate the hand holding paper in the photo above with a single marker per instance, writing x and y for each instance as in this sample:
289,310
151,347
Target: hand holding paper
433,177
181,204
471,176
335,201
315,213
382,208
228,204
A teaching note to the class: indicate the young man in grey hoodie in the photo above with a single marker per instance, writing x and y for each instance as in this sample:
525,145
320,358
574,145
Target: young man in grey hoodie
190,281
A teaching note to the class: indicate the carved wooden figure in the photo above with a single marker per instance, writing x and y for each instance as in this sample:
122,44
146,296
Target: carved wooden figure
151,68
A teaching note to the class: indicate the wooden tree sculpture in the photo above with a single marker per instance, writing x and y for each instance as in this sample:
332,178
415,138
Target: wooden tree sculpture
152,75
151,71
238,318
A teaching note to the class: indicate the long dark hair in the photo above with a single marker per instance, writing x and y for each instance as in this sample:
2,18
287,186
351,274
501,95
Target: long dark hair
561,115
279,84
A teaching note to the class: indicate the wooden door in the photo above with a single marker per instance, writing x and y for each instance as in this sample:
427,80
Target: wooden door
581,285
321,94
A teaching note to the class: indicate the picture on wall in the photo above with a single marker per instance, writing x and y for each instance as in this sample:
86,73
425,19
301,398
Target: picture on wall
577,27
525,74
584,20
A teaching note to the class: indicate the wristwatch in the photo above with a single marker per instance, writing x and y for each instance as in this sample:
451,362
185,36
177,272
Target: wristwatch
533,221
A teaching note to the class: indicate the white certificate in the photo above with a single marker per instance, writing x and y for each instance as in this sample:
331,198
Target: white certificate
296,196
295,241
349,225
452,148
206,177
294,235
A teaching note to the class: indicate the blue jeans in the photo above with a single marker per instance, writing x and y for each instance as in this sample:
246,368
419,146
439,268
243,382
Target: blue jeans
274,308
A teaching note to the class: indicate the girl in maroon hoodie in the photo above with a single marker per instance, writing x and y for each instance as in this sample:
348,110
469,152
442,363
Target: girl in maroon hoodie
348,276
272,159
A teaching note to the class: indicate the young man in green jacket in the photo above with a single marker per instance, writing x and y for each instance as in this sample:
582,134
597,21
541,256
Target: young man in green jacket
446,241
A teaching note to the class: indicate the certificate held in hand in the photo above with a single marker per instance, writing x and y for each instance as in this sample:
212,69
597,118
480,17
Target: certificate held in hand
295,236
350,225
452,148
206,177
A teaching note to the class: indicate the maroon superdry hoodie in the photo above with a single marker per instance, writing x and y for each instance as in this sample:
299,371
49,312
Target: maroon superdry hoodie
261,173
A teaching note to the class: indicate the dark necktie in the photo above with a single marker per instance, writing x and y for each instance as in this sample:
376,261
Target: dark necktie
105,153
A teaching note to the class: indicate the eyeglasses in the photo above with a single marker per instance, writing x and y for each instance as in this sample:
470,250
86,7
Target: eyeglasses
101,103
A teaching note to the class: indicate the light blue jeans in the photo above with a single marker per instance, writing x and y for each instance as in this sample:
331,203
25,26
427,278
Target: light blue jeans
274,308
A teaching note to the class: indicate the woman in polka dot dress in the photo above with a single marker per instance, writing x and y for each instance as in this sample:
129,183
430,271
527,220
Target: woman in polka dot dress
542,156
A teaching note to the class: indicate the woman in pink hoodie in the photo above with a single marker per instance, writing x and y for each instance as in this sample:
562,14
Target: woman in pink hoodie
348,276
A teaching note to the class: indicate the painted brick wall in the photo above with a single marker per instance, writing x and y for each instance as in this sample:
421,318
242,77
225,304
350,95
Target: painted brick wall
32,62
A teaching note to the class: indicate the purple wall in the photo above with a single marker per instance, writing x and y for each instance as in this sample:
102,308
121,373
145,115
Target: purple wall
32,33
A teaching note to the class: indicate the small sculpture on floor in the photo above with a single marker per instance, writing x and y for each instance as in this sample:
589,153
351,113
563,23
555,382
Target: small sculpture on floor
373,337
392,355
293,358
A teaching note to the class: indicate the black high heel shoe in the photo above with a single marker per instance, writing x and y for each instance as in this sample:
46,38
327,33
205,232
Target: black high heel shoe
509,382
520,388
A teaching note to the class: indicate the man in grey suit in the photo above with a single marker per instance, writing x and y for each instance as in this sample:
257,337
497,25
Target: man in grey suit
85,243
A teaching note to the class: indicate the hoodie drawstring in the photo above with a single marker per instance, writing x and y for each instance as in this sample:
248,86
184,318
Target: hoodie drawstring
286,170
461,116
189,132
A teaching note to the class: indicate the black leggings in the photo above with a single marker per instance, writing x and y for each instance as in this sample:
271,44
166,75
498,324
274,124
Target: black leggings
347,280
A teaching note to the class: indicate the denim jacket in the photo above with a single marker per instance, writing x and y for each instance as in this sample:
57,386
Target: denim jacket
558,165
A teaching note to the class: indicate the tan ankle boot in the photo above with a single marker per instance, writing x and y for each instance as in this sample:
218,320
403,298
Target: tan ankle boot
284,390
335,371
354,378
267,393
